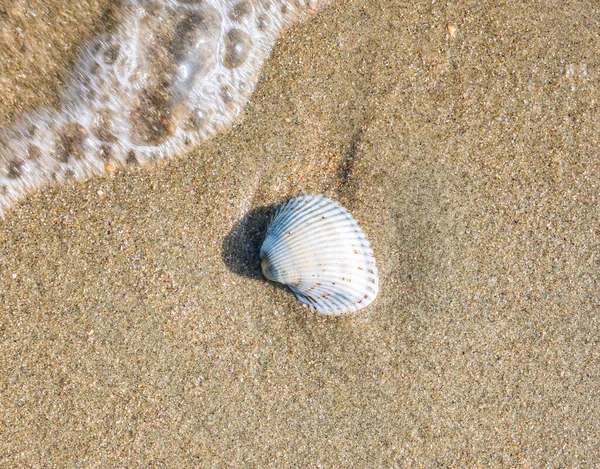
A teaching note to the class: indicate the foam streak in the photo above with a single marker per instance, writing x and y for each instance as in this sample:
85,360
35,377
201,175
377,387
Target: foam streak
169,74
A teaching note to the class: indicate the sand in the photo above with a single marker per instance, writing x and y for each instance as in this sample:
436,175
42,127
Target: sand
135,330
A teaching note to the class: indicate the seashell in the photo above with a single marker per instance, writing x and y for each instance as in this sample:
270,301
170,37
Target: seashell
316,248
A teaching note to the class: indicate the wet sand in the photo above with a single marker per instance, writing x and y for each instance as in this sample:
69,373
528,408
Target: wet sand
135,330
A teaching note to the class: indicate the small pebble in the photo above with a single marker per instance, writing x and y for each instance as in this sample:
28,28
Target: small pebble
111,168
452,29
100,192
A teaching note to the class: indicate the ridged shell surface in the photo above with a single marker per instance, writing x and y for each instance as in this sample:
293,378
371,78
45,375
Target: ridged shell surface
314,246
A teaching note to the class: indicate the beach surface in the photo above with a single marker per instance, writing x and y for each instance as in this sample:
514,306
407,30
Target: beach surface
137,331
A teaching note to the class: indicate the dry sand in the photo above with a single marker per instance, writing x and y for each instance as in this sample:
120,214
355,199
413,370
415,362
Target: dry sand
136,332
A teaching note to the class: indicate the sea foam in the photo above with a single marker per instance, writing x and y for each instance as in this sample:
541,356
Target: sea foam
168,75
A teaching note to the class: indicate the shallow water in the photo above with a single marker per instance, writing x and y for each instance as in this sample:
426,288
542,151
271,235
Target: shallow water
162,76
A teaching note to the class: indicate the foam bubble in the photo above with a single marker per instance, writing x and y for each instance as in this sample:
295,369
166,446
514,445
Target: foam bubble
166,77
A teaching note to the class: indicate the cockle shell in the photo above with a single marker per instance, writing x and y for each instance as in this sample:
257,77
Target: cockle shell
316,248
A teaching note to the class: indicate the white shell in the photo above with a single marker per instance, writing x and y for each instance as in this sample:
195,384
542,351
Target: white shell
314,246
